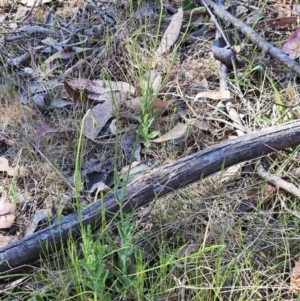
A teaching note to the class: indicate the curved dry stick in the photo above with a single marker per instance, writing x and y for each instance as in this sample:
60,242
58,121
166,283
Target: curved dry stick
147,187
277,181
253,36
274,179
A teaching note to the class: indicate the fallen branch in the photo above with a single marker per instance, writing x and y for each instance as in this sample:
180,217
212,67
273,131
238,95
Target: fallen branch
278,182
274,179
147,187
253,36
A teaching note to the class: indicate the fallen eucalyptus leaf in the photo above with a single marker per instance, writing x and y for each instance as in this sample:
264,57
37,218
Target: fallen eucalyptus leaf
6,221
100,86
152,80
177,132
39,215
215,95
171,34
5,240
6,208
292,45
98,117
12,171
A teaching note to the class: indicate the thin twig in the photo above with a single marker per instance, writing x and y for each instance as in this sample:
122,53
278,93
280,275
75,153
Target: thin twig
236,119
186,102
253,36
233,57
278,182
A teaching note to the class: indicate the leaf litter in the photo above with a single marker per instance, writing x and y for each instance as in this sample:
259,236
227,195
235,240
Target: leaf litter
171,34
177,132
97,119
7,216
39,57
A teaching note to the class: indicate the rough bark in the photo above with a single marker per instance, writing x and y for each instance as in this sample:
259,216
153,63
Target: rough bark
149,186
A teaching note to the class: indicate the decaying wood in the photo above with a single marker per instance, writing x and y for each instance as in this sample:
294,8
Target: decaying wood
253,36
149,186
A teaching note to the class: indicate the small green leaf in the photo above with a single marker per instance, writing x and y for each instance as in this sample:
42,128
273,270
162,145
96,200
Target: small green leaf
150,121
39,298
259,68
153,134
147,144
187,5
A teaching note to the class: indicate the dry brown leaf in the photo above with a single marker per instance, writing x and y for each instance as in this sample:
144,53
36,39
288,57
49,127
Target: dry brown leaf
97,119
160,104
150,80
39,215
12,171
6,140
101,187
21,12
295,278
41,130
171,34
290,90
231,172
177,132
202,125
6,208
59,55
215,95
113,127
64,55
30,3
77,66
134,103
6,221
5,240
130,172
20,171
292,45
153,80
127,167
60,103
4,165
100,86
77,96
237,48
116,97
157,103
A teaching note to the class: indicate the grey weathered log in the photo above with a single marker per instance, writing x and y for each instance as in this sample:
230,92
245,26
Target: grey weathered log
147,187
